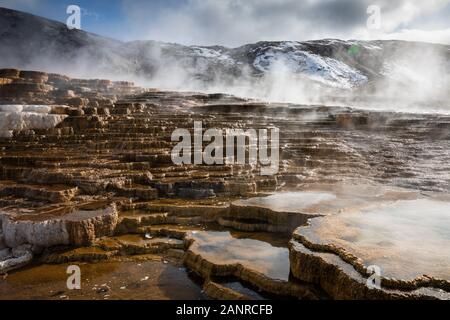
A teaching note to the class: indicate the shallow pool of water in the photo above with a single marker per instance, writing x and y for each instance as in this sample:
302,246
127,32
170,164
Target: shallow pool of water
289,201
127,280
222,248
407,238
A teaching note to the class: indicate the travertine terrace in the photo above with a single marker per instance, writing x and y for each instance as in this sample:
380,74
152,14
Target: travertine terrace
86,176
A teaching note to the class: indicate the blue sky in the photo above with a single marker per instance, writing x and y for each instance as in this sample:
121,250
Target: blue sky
236,22
104,17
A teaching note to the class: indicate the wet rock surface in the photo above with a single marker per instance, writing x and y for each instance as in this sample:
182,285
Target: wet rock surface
406,239
354,188
15,258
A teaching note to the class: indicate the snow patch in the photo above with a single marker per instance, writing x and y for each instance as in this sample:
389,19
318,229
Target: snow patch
209,53
212,56
326,70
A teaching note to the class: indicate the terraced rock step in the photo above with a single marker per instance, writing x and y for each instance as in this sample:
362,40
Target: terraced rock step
79,225
280,212
218,291
108,247
100,182
55,194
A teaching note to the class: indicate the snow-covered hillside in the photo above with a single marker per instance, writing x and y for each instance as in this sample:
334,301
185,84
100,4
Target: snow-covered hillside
290,56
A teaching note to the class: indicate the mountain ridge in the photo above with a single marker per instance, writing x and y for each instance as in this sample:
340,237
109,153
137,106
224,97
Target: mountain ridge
32,42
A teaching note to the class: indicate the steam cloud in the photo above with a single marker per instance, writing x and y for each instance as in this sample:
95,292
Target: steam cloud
388,75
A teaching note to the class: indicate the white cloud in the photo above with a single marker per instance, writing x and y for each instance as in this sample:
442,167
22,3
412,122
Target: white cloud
236,22
434,36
